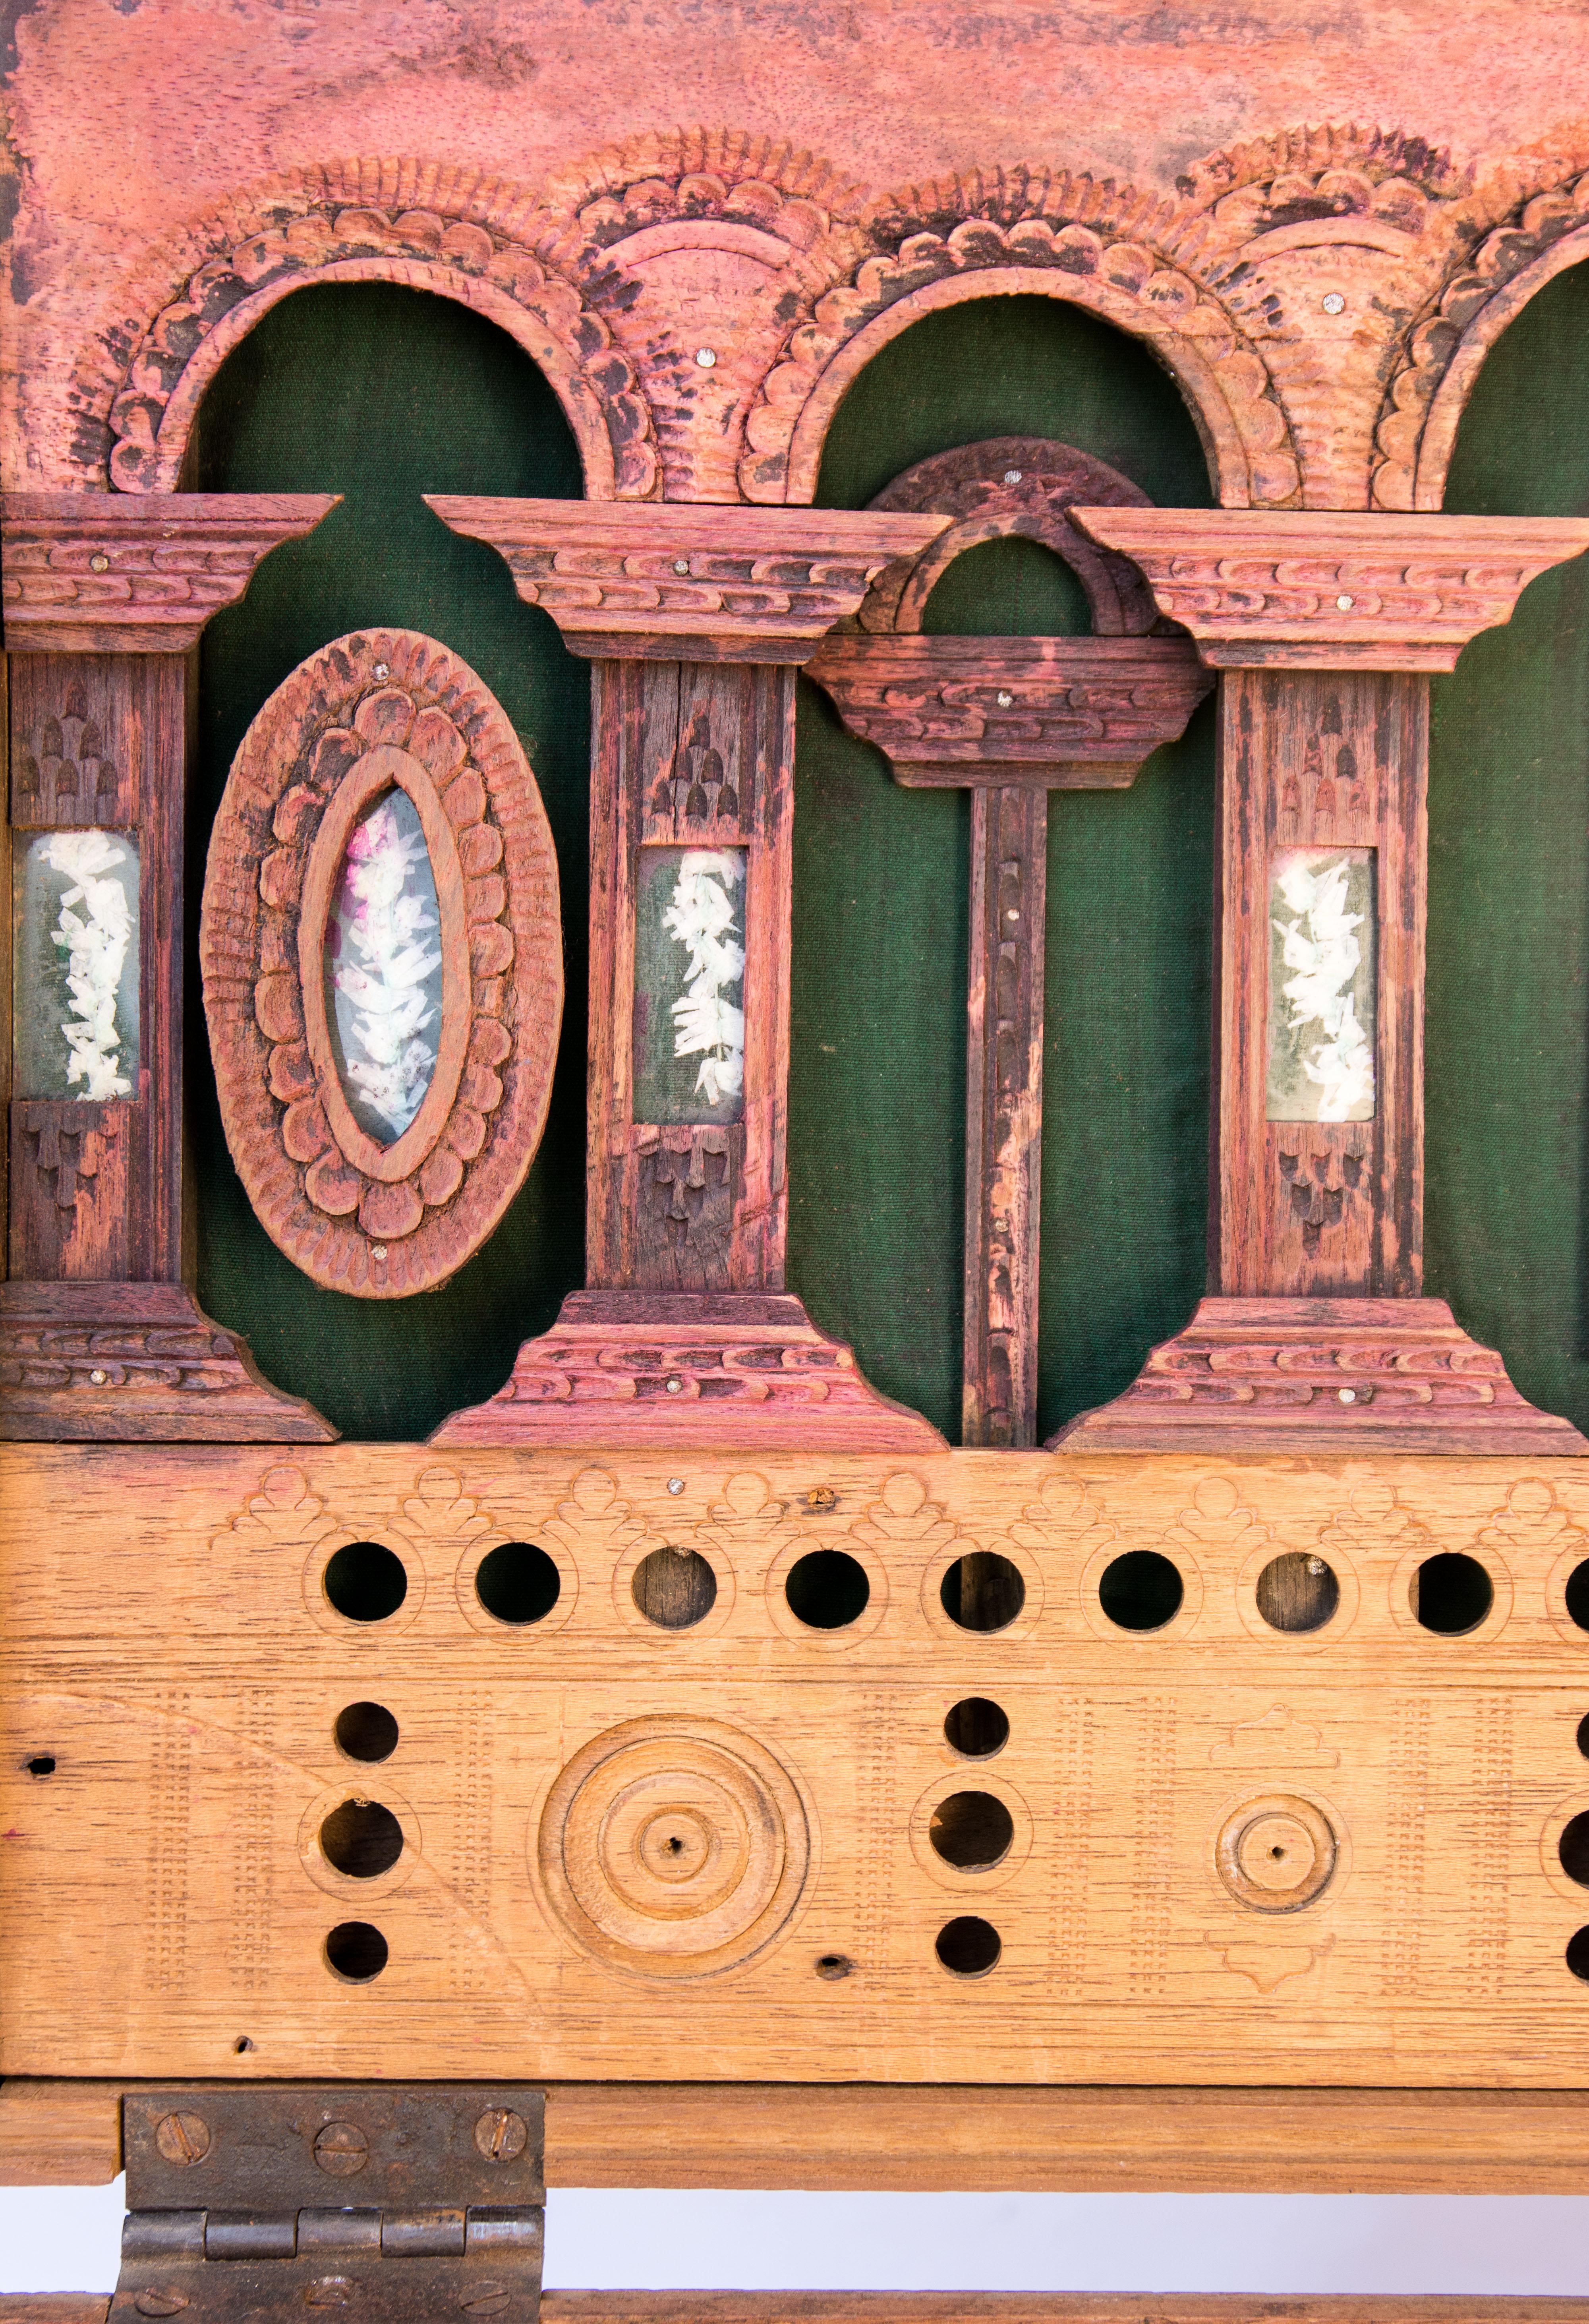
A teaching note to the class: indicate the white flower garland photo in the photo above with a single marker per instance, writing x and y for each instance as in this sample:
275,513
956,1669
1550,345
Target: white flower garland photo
706,1022
382,1003
1321,944
95,942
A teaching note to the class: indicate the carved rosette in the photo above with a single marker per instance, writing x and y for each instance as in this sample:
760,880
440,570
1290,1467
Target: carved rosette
379,712
673,1847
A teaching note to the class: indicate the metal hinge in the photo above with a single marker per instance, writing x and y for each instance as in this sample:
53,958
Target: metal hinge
232,2209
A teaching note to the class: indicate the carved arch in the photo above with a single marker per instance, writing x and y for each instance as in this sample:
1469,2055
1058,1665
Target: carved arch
136,390
1540,235
1110,250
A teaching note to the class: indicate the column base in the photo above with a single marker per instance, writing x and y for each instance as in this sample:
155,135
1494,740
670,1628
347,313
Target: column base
129,1363
1325,1375
721,1369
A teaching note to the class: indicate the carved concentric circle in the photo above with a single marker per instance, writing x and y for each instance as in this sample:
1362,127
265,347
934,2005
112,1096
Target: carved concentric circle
674,1847
377,714
1276,1853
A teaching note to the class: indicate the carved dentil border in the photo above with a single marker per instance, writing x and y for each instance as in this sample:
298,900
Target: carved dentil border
1302,393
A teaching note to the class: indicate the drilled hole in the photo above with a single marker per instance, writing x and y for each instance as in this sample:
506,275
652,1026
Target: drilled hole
366,1582
518,1583
1451,1593
675,1588
971,1829
1583,1735
969,1947
356,1952
827,1589
1573,1847
242,2046
1578,1594
976,1728
361,1839
833,1965
983,1590
42,1764
366,1731
1142,1591
1297,1592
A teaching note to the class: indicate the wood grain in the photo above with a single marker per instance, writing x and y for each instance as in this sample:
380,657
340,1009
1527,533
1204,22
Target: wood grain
166,1895
947,2307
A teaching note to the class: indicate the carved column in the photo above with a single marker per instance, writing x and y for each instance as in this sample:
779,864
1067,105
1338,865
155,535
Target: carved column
1011,719
695,619
105,599
1315,1331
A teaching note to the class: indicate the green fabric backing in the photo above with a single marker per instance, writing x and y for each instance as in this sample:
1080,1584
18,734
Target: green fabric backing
383,394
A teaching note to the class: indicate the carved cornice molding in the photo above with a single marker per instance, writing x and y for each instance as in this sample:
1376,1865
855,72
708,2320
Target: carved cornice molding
111,573
665,583
1310,591
1066,713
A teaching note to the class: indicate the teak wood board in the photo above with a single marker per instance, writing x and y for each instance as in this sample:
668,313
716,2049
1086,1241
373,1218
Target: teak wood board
165,1895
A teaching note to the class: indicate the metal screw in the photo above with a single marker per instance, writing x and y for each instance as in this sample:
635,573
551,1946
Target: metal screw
162,2302
99,1378
99,562
680,564
1346,1395
1332,302
675,1484
1012,475
676,1388
485,2300
1316,1566
382,669
341,2148
706,357
500,2134
1012,915
377,1250
1344,604
328,2291
1004,699
182,2138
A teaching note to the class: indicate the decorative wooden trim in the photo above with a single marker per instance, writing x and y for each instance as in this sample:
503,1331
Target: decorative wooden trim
689,1372
1365,1375
104,573
134,1363
1316,591
1063,714
1038,2307
675,584
380,709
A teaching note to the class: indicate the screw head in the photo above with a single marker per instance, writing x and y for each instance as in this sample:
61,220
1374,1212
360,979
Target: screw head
1012,475
329,2291
1346,1395
1004,699
99,1378
500,2135
675,1484
680,564
341,2149
377,1250
676,1388
485,2300
182,2138
1332,302
382,669
99,562
706,357
160,2300
1344,604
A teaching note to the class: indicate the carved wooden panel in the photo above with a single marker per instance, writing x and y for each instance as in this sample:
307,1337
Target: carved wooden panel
383,963
1276,1780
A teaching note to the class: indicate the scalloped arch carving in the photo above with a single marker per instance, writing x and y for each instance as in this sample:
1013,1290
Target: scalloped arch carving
134,398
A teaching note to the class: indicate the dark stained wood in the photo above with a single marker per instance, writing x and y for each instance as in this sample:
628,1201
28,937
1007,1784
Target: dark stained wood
136,573
379,708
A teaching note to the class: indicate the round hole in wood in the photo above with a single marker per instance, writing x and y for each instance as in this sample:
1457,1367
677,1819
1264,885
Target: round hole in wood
1141,1591
972,1831
1583,1735
1451,1593
242,2046
365,1581
969,1946
1577,1594
983,1590
976,1728
356,1950
42,1763
833,1965
361,1839
827,1589
1578,1954
1299,1591
675,1588
1573,1847
366,1731
518,1583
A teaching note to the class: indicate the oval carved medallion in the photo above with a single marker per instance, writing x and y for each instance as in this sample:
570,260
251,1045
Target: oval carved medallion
674,1847
382,962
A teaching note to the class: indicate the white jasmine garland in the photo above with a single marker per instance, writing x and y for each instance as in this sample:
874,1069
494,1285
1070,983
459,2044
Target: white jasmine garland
1321,946
384,921
95,942
701,917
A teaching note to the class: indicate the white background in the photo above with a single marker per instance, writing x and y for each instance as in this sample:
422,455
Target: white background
64,2239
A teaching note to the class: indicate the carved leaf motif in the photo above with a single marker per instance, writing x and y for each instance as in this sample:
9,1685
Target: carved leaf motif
284,1514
